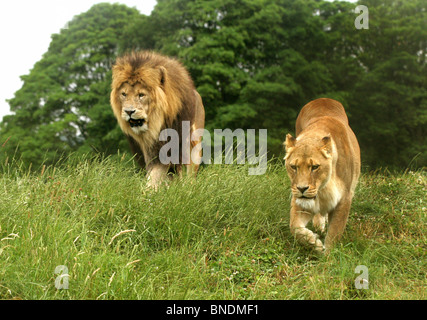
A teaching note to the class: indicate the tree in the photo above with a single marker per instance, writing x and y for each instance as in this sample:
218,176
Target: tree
63,105
252,60
255,64
390,99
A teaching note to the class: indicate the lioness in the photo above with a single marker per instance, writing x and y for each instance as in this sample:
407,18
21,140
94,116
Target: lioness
323,164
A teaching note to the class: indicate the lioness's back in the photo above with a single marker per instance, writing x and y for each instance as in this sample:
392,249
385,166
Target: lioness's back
322,107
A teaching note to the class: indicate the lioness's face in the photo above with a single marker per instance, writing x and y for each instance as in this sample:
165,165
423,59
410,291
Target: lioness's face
135,102
309,166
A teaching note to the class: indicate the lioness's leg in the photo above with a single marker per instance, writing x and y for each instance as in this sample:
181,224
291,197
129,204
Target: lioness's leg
319,222
299,220
157,173
337,220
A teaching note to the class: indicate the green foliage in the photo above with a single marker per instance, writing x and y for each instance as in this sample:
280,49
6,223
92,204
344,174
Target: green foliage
393,85
120,240
63,105
255,64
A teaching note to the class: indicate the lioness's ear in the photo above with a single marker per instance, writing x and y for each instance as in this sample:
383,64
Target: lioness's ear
289,144
162,75
327,146
290,141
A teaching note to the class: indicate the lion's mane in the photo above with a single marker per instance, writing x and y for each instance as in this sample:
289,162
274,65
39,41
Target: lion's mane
172,95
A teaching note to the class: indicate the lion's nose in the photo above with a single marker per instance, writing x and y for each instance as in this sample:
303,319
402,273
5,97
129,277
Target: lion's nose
302,189
130,112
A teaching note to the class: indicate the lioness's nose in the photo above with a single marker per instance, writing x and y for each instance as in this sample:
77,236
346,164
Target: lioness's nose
302,189
130,112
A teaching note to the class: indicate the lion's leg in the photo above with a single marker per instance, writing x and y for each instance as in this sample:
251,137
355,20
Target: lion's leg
195,159
196,136
157,173
192,169
337,221
299,220
179,170
319,222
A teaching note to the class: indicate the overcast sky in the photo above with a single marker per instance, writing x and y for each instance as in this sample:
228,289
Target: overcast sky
26,27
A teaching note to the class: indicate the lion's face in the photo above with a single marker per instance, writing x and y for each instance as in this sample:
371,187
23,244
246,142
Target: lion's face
135,106
309,166
138,96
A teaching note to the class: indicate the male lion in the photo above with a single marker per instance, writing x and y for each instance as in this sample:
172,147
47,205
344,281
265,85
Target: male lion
323,164
151,92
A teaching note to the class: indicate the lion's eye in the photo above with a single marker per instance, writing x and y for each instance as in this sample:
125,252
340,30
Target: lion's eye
141,95
293,167
315,167
124,94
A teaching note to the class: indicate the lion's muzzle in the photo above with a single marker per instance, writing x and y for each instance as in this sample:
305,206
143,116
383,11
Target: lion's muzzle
136,122
133,122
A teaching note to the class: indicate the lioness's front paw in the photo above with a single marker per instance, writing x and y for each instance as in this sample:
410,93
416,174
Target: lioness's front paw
312,241
319,223
319,247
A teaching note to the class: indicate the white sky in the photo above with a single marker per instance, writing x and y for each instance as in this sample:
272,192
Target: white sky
26,27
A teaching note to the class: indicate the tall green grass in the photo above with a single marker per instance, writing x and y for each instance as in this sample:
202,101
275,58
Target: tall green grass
222,236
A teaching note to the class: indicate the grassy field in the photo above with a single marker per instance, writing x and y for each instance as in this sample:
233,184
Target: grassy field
224,236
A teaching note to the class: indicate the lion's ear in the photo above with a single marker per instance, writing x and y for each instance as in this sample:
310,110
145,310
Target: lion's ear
162,75
289,144
327,146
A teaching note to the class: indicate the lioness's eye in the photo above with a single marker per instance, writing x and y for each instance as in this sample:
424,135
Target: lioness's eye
293,167
315,167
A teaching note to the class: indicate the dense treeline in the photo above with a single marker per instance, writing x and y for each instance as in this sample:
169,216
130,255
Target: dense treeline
255,64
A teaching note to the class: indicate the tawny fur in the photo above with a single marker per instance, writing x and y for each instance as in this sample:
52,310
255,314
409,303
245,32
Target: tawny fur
323,164
161,92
